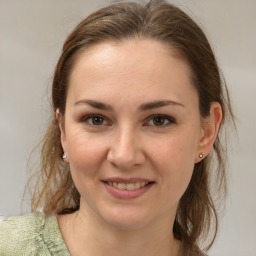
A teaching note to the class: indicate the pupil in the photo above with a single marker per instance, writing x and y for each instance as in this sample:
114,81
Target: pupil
158,120
97,120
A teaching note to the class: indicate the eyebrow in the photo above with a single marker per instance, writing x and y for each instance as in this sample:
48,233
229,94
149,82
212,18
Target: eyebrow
159,104
95,104
143,107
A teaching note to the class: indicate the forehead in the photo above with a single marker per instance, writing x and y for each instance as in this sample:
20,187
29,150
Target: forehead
127,52
131,67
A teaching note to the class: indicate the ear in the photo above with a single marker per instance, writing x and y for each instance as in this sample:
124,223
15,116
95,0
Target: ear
59,118
210,128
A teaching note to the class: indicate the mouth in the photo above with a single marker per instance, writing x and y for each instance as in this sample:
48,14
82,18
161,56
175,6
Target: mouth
128,186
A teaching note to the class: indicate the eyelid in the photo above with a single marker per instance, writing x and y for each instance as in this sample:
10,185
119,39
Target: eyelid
169,118
85,119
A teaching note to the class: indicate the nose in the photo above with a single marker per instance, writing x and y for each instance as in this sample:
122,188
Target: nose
126,149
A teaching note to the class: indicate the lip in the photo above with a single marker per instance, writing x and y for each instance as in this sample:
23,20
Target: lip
130,180
127,194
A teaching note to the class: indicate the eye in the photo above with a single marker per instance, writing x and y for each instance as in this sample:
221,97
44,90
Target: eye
94,120
160,121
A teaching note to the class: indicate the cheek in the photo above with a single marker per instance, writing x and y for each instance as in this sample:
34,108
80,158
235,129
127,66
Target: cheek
85,152
174,161
177,150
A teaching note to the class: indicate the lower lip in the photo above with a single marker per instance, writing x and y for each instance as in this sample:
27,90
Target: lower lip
127,194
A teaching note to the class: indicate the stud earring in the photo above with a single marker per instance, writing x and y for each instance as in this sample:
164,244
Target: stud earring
64,156
201,155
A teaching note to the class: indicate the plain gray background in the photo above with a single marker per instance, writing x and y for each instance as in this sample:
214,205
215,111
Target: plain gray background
32,33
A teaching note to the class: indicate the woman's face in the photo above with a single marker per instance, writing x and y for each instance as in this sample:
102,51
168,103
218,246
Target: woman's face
132,131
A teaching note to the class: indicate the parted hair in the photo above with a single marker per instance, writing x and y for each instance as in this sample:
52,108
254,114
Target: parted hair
197,214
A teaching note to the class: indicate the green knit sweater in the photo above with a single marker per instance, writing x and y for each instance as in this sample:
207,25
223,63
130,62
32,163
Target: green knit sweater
31,235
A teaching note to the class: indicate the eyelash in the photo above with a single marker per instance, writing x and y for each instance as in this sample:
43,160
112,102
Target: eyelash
170,120
86,118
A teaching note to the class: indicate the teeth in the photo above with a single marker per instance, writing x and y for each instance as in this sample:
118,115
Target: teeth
121,186
128,186
137,185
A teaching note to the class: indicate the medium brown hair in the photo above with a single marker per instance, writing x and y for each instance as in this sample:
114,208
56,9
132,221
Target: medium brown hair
55,191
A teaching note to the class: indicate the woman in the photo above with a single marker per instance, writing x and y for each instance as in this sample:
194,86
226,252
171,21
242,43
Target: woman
127,161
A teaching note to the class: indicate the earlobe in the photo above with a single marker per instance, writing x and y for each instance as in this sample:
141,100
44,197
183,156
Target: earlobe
65,158
210,126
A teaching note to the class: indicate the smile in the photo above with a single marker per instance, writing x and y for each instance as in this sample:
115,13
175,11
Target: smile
127,189
128,186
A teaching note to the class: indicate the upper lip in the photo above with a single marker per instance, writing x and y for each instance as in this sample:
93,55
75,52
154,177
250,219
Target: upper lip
129,180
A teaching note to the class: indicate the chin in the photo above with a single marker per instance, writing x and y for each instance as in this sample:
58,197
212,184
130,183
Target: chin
125,220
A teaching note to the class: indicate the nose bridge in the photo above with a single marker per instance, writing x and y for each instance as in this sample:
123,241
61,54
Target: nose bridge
126,150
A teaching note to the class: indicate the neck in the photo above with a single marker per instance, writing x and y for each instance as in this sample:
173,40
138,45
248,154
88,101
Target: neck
88,234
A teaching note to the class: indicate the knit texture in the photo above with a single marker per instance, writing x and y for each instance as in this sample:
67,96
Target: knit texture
34,235
31,235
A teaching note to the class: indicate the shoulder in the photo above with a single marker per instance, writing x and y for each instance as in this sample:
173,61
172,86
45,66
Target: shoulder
30,222
31,234
19,233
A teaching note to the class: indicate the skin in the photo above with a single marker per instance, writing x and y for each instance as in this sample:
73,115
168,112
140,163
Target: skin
128,142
